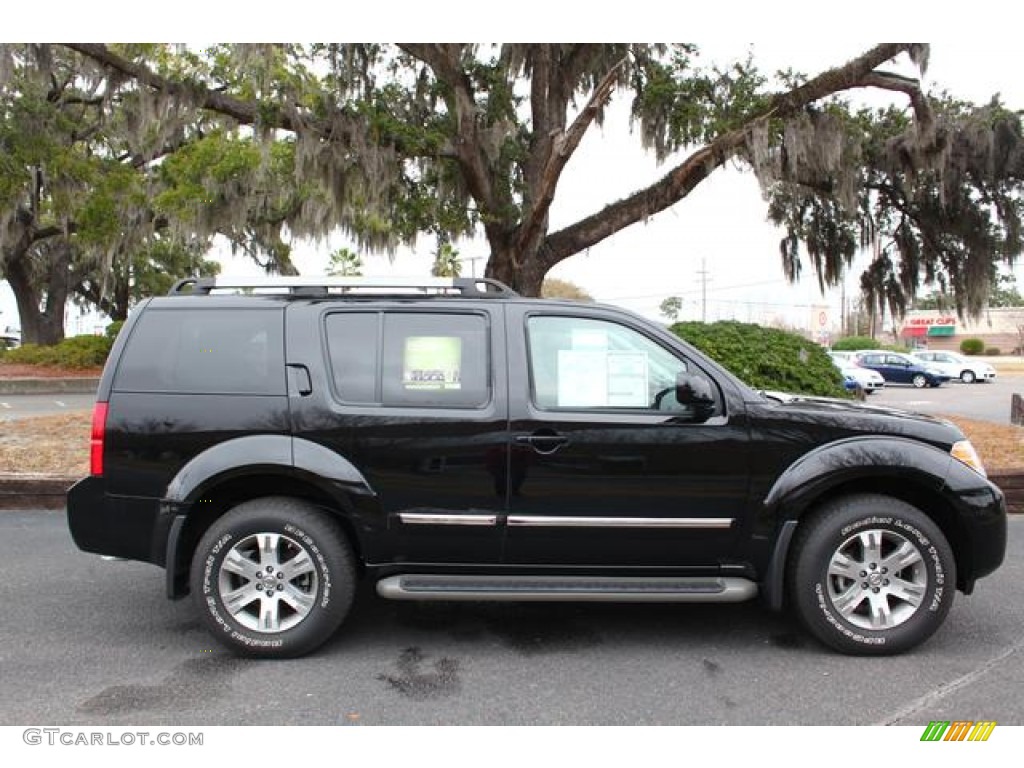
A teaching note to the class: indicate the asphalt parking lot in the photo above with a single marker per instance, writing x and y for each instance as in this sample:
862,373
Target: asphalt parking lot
987,402
89,642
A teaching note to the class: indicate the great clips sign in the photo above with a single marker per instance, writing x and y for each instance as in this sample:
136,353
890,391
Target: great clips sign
931,321
929,326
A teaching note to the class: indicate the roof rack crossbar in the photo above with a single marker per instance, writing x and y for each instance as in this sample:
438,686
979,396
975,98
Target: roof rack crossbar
464,286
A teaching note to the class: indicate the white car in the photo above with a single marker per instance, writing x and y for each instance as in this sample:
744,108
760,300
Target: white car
870,381
958,367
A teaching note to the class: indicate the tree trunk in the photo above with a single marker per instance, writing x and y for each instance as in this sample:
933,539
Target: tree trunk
40,324
522,272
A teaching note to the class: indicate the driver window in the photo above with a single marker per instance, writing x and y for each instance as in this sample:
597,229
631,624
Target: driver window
594,364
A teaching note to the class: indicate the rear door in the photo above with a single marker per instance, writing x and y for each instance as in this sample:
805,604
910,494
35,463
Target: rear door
607,468
413,396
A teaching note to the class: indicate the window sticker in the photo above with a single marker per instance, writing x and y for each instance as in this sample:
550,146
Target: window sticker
432,363
600,378
582,378
627,380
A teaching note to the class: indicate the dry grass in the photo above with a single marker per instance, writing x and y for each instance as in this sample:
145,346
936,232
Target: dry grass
1000,446
59,444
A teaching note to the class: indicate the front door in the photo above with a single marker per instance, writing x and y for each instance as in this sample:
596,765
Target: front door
607,468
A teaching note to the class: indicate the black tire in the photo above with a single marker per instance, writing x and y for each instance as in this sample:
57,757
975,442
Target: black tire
967,377
309,601
836,595
920,380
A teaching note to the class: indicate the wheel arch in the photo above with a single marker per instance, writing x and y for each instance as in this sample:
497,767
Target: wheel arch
254,467
835,471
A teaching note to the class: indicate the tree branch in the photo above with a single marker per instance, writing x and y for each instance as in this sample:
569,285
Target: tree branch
469,154
912,88
562,148
681,180
244,112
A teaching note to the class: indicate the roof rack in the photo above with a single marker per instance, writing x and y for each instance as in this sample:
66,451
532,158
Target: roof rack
476,287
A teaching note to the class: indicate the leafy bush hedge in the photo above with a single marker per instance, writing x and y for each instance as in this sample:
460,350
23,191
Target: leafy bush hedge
992,352
77,352
855,343
113,329
972,346
766,358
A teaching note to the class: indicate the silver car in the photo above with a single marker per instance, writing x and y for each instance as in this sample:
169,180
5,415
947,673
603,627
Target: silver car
956,366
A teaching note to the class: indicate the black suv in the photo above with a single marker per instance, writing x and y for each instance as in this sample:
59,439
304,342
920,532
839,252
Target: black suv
269,443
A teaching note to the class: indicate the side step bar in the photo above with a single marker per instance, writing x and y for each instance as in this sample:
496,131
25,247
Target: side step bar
582,588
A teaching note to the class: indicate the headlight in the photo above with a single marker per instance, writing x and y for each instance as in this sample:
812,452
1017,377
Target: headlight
964,451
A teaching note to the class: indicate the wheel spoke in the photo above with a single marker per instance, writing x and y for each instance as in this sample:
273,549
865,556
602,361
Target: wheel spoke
881,614
299,565
268,549
300,601
842,565
907,591
903,557
871,541
848,601
270,617
238,599
239,564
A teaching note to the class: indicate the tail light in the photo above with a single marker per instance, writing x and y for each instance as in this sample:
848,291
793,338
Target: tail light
99,432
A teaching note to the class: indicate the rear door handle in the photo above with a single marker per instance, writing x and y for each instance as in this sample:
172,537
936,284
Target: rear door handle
543,440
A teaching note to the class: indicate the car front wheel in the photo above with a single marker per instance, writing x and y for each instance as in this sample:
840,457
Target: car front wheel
919,380
273,578
871,575
967,377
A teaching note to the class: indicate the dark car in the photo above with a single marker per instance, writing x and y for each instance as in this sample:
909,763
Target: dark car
897,368
451,440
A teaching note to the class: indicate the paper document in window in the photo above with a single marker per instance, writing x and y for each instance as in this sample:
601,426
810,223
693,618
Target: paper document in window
432,362
599,378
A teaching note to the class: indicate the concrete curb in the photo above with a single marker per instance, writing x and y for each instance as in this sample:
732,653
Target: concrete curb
48,491
26,491
44,386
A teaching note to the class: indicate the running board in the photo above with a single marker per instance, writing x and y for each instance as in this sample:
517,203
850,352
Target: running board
583,588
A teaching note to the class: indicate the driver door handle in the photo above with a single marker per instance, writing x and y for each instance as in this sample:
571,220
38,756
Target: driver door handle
543,440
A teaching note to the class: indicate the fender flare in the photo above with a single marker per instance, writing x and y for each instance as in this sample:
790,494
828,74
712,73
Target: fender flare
256,454
828,466
252,455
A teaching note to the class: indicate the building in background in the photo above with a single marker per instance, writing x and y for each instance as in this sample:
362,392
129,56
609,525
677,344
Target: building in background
1001,329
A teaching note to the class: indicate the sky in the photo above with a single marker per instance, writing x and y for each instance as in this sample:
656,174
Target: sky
719,229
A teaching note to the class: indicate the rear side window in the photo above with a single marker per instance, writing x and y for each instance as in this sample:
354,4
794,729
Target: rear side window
205,352
410,359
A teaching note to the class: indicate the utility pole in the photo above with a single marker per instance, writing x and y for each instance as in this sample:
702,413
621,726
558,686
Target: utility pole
704,280
472,262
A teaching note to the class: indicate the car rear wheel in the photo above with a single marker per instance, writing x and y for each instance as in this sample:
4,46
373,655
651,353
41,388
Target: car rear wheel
273,578
967,377
871,575
920,380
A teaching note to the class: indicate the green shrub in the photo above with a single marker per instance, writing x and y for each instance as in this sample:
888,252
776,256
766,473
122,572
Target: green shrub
766,358
113,329
77,352
992,352
972,346
854,343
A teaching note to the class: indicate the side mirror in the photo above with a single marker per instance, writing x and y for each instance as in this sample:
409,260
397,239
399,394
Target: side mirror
697,392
